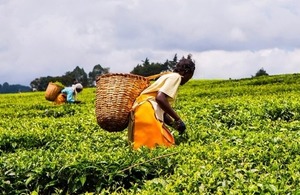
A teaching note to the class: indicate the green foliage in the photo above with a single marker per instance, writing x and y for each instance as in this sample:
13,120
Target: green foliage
59,84
148,69
261,72
242,138
78,75
7,88
97,71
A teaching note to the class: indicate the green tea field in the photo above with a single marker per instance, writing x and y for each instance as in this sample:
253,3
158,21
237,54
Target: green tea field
243,137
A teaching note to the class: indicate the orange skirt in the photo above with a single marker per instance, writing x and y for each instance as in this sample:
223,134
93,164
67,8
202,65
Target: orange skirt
60,99
145,129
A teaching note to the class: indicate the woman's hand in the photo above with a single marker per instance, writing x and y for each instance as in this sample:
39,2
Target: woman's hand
180,126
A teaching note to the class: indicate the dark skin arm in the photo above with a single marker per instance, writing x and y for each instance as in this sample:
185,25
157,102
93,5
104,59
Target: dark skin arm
162,101
168,120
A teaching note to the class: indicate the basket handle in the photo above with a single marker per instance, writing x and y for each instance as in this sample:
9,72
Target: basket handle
152,77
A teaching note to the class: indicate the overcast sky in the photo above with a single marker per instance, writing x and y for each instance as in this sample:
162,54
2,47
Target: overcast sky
227,38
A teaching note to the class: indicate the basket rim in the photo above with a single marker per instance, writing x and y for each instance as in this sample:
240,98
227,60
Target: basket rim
123,75
53,83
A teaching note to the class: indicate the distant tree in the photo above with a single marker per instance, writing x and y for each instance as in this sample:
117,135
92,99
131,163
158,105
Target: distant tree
172,64
35,84
97,71
67,79
41,83
261,72
4,88
77,74
147,68
7,88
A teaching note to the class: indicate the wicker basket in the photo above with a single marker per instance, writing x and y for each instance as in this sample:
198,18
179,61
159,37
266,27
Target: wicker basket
115,95
52,91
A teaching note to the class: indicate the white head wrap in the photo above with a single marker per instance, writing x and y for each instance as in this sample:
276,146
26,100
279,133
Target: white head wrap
76,86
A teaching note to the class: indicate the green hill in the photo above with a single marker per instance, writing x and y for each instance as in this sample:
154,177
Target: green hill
242,138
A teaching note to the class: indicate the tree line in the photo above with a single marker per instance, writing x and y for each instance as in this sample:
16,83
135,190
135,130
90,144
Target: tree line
7,88
78,75
147,68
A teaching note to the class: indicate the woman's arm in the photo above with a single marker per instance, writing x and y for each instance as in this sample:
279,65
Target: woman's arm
161,99
163,102
168,120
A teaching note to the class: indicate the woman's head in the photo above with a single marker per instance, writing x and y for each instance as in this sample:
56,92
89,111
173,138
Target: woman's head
77,87
185,67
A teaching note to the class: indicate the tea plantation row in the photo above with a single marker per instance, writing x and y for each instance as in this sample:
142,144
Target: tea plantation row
243,137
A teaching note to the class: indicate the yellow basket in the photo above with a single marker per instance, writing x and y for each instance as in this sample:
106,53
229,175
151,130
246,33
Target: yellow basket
52,91
115,95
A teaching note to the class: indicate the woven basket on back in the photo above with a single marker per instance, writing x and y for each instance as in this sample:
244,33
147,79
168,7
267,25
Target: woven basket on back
52,91
115,95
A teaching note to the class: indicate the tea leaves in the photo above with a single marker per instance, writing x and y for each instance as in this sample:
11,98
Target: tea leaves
242,138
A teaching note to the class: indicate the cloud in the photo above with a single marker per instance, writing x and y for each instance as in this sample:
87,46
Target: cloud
228,39
244,64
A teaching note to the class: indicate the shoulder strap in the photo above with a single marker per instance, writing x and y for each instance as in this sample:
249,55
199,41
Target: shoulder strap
152,77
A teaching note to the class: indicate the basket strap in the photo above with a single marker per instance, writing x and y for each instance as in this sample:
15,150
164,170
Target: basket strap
152,77
136,104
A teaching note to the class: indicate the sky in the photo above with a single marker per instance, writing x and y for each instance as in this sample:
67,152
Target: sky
227,38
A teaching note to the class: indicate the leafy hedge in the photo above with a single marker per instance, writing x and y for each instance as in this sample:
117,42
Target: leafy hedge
242,138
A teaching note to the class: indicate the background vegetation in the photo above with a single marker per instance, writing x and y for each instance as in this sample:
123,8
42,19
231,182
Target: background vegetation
87,80
243,137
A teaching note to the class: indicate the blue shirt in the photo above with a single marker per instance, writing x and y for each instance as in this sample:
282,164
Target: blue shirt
70,94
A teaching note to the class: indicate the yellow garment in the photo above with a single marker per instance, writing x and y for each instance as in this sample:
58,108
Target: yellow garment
61,98
146,127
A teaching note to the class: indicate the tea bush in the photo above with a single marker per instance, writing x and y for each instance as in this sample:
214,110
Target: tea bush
243,137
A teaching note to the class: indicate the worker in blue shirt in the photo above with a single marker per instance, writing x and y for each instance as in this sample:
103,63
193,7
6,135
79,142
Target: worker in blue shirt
68,94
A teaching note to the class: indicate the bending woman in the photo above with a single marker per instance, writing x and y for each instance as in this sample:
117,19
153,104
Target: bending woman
68,94
152,109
